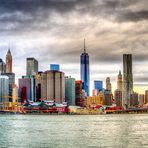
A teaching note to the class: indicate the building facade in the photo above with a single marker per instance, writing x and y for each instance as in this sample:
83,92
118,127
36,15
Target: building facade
8,62
146,97
2,66
32,66
127,79
119,81
70,91
85,78
98,85
134,100
11,77
55,67
53,86
24,89
32,87
108,97
78,90
4,92
38,84
108,84
94,101
141,99
118,97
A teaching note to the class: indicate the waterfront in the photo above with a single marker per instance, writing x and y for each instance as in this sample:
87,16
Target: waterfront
60,131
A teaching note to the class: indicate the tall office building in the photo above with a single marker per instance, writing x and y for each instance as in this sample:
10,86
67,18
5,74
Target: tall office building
38,82
108,84
32,87
108,97
24,89
118,97
8,62
27,88
53,86
127,79
134,100
11,77
55,67
70,91
32,66
141,99
119,81
8,72
4,92
2,66
98,85
15,94
146,97
78,90
84,58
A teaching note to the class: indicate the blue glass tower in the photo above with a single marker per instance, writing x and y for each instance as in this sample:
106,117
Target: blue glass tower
84,58
98,85
55,67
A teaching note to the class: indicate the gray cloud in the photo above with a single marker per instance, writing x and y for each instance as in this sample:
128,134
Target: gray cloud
133,16
29,14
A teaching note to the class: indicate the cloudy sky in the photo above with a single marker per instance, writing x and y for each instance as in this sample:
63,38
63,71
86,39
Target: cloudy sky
52,31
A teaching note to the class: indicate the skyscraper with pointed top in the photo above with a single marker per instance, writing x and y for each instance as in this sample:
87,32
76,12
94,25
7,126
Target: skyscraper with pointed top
9,62
84,59
119,81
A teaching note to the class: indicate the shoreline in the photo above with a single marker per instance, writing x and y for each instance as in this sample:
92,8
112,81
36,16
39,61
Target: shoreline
71,114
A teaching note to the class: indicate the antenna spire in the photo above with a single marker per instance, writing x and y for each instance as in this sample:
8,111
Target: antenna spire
84,46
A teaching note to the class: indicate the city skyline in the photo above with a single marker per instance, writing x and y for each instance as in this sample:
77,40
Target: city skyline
92,81
44,32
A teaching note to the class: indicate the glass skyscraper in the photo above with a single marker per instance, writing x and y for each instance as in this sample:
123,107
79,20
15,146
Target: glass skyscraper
55,67
70,91
98,85
84,59
4,92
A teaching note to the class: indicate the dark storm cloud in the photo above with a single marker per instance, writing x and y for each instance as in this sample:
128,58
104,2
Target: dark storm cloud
133,16
30,12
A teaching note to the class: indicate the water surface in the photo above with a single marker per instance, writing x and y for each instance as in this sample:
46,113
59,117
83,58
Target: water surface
74,131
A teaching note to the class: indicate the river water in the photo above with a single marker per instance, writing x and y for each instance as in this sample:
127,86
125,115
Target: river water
74,131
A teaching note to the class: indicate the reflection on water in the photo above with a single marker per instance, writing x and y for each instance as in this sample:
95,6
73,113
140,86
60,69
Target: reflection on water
65,131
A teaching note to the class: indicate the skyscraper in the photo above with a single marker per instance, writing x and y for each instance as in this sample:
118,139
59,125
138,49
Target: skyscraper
141,99
118,97
146,97
25,89
4,92
119,81
108,84
98,85
70,91
8,62
108,97
55,67
2,66
11,77
9,73
78,91
84,58
127,79
134,100
32,66
53,86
